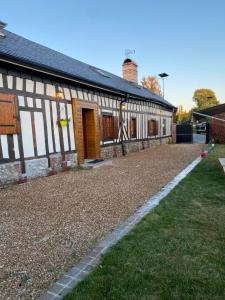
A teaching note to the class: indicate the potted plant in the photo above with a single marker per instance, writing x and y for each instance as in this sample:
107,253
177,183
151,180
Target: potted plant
63,122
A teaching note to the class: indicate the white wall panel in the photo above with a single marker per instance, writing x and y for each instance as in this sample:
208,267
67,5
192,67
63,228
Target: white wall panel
67,93
38,103
1,81
64,128
19,83
40,134
4,142
50,90
27,136
16,146
29,85
10,81
55,126
49,126
21,100
71,132
39,88
30,102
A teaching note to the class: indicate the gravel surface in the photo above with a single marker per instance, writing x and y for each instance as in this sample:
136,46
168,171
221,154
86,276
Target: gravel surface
48,224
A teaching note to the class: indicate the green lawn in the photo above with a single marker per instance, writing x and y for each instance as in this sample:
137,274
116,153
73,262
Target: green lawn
176,252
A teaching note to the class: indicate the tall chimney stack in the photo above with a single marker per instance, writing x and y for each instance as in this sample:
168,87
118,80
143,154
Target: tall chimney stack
130,70
2,26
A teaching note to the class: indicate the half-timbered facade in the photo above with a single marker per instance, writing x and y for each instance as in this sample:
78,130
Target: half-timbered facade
55,112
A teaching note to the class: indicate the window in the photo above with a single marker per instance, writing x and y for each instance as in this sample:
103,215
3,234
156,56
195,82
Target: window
101,72
133,129
109,127
8,114
152,128
164,126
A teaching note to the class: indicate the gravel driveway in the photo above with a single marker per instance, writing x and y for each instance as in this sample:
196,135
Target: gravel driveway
48,224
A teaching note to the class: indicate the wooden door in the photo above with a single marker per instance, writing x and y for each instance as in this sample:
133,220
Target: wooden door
89,134
86,128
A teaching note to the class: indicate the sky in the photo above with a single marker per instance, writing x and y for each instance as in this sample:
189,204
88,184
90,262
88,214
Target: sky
184,38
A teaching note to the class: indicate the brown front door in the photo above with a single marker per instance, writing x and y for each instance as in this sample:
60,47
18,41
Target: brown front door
89,137
86,128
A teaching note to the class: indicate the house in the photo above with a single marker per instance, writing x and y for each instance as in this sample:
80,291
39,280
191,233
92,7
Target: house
56,111
215,116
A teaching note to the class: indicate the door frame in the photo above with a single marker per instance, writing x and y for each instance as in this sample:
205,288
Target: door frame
77,106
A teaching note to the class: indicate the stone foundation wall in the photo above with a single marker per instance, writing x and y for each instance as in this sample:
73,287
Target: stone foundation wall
11,172
112,151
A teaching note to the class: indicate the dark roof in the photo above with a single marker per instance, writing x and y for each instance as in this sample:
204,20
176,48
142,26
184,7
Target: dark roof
214,110
20,49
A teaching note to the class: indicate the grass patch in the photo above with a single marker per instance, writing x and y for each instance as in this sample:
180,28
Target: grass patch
175,252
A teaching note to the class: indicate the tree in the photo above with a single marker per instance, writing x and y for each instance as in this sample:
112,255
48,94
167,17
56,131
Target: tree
151,83
204,98
183,116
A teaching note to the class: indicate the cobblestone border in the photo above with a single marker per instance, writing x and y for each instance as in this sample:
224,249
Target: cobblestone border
67,282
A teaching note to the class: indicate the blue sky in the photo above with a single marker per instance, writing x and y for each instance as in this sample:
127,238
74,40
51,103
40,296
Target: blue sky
185,39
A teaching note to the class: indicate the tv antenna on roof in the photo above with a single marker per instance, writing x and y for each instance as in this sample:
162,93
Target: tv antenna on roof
129,52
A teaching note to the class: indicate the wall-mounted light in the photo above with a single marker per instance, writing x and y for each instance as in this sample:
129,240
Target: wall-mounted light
124,105
58,93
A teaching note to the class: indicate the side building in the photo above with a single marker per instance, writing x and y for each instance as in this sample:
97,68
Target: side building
56,111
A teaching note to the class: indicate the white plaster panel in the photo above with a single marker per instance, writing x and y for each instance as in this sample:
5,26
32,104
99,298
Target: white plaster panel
64,128
95,98
38,103
39,88
30,102
85,96
29,85
40,134
55,126
16,146
19,83
49,126
27,136
74,93
80,94
71,130
21,100
50,90
10,81
67,93
5,150
1,81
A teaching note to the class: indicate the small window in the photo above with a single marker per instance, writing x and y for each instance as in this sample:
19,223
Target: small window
8,114
152,128
107,124
164,126
101,72
133,129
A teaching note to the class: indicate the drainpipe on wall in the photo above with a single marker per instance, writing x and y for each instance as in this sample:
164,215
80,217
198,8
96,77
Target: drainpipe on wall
121,125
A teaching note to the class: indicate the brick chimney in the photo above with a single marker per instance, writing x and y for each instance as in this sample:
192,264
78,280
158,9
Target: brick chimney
130,70
2,26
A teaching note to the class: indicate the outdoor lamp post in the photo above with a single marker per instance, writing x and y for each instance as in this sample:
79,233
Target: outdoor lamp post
163,76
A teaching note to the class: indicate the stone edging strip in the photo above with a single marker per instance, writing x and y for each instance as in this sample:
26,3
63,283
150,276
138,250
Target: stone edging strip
67,282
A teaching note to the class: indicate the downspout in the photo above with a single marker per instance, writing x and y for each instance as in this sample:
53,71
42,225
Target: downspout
121,125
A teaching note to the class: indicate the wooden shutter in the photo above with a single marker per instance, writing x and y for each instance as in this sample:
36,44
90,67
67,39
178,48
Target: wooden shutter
115,127
8,114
